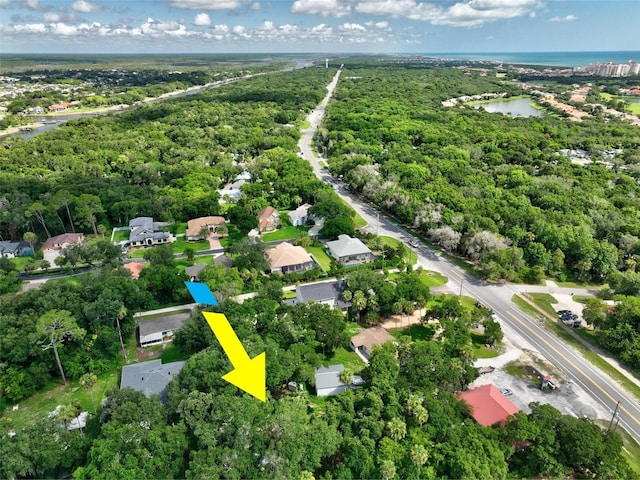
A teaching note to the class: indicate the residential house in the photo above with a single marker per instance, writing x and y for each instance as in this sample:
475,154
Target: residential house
268,219
367,339
329,293
14,249
286,258
350,251
300,215
52,246
233,191
196,226
328,381
488,405
146,232
223,260
193,271
153,332
135,268
150,377
59,107
60,241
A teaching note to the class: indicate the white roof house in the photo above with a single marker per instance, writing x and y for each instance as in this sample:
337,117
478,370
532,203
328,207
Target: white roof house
350,251
300,215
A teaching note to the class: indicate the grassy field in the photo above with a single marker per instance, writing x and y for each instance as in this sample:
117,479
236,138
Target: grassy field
416,332
545,302
180,244
427,277
285,233
182,262
479,349
39,405
121,235
348,358
411,257
321,256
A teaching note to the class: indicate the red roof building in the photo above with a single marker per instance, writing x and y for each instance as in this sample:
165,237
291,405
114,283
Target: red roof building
488,405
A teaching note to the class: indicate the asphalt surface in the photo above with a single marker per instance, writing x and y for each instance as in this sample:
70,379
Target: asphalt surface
602,388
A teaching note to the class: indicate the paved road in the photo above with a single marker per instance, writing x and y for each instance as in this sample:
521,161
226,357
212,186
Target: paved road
604,390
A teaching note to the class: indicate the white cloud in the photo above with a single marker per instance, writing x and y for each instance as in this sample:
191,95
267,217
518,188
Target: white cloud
255,6
85,7
568,18
351,27
209,4
463,13
382,25
202,20
51,17
334,8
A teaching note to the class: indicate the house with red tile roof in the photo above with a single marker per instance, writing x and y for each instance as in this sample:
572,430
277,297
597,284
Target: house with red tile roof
488,405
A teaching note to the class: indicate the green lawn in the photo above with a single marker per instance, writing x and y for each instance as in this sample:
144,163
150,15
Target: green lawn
180,244
234,236
545,302
321,256
348,358
427,277
20,262
173,354
416,332
121,235
411,257
39,405
479,349
285,233
182,262
353,329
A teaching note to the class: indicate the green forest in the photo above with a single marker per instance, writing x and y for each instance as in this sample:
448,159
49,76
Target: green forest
483,187
486,186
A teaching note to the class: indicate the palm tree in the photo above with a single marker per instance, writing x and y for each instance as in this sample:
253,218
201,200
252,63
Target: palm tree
30,237
119,316
359,301
88,382
346,376
419,456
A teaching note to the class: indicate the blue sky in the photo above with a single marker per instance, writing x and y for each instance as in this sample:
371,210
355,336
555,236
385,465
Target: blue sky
333,26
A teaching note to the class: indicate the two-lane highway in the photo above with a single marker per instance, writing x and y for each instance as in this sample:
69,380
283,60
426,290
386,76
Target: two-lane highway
604,390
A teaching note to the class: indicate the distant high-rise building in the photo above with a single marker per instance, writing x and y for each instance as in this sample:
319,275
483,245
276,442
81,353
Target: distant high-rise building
326,63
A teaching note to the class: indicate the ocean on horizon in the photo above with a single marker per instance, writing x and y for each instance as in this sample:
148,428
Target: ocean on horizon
555,59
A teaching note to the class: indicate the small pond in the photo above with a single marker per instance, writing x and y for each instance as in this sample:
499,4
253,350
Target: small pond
516,108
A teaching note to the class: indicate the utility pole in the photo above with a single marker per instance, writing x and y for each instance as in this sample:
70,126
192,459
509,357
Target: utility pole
461,282
377,223
615,414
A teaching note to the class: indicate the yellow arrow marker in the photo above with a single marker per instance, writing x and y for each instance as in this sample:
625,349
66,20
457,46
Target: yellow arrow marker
248,374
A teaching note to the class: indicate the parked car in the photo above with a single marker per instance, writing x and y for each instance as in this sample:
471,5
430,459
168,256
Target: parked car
506,392
414,244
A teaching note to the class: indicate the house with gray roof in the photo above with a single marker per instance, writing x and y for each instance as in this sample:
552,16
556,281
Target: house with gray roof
329,293
193,272
350,251
154,331
146,232
150,377
328,381
14,249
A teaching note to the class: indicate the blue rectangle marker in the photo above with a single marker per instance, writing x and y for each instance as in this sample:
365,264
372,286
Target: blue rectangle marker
201,293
